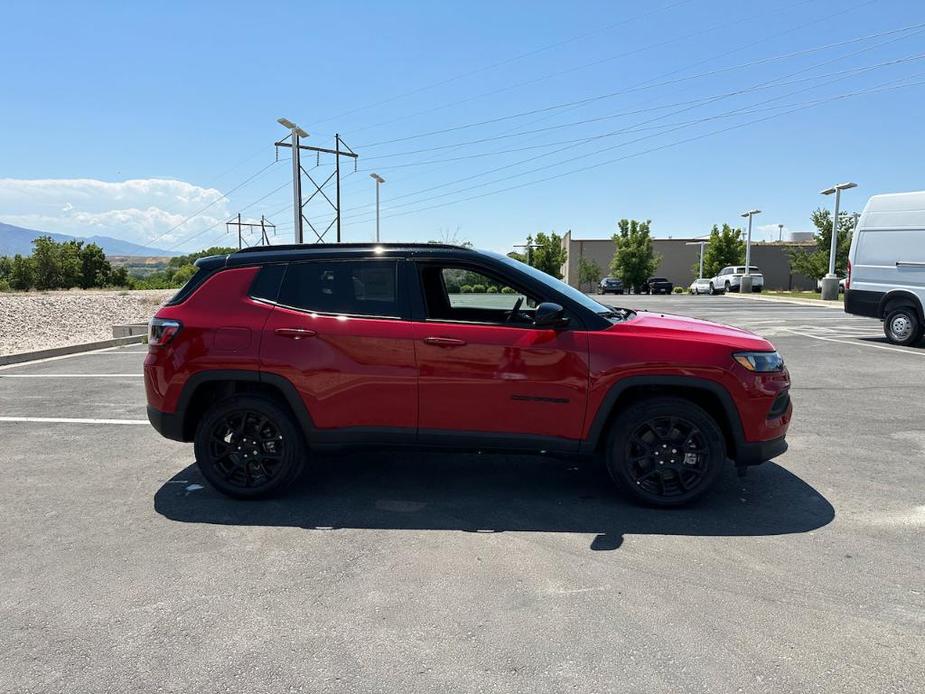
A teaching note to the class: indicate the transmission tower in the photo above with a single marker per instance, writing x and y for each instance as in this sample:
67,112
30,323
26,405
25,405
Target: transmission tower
341,149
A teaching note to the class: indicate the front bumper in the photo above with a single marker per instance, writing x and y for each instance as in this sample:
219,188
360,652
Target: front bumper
168,424
758,452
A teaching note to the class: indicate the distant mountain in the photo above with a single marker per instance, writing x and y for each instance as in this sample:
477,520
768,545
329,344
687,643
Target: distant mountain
15,240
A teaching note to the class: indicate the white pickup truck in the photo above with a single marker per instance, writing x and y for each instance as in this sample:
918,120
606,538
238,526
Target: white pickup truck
730,276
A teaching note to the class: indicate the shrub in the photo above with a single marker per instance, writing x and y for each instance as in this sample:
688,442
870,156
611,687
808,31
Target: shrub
478,288
677,290
4,286
492,289
507,290
466,289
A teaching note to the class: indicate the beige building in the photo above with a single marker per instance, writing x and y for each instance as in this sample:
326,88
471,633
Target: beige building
679,261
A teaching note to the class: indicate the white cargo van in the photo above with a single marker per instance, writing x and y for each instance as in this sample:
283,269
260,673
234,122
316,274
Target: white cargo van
886,265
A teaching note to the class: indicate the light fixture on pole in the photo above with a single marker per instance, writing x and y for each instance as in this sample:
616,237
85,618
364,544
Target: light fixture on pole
379,181
830,281
701,244
296,133
745,284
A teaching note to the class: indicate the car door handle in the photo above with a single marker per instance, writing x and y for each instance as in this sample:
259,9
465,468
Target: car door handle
444,341
295,333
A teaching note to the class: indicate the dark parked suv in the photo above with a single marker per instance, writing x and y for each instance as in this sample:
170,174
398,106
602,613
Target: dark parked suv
656,285
270,353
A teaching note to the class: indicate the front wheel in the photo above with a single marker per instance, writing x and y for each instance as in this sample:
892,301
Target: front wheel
665,451
902,326
248,446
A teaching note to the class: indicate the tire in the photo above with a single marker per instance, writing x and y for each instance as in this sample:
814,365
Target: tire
728,287
267,427
641,460
902,326
712,289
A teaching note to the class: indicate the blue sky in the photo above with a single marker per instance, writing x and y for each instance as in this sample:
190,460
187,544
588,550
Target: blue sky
127,119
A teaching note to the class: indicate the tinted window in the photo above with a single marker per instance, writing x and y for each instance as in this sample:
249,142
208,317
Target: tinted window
351,287
266,283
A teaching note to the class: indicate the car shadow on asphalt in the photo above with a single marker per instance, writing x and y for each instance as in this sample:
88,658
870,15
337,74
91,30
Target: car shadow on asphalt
496,493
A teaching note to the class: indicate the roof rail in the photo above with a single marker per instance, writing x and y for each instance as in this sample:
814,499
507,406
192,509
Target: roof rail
331,246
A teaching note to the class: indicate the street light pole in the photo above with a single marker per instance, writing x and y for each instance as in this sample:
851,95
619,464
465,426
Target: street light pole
379,181
780,232
830,281
701,244
296,133
745,284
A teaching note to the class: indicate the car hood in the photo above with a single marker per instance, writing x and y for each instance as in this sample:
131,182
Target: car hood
695,329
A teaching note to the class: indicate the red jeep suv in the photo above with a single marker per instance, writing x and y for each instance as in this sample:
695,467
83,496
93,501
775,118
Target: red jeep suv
272,352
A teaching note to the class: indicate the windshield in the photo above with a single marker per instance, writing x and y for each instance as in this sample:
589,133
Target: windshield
575,295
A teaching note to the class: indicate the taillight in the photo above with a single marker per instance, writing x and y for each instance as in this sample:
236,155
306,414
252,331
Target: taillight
162,330
848,276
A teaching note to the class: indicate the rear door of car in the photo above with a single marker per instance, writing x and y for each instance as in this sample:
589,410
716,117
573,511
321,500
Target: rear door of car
340,332
481,374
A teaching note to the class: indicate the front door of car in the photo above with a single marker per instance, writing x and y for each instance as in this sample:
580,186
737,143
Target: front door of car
341,334
484,368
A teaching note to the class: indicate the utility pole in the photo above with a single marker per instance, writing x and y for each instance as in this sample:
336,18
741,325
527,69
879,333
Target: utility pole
701,244
830,281
780,232
263,225
745,284
379,181
340,150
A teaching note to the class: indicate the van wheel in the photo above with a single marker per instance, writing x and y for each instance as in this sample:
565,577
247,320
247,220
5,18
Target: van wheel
665,451
247,446
902,326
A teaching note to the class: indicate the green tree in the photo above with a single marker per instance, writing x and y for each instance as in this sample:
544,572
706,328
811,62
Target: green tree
95,270
182,276
725,247
22,273
815,264
589,271
634,260
549,255
119,277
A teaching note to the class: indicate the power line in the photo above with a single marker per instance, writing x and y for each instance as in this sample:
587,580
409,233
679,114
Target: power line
621,92
649,151
776,81
502,63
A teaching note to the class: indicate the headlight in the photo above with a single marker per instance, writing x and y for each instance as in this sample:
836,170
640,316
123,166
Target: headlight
760,361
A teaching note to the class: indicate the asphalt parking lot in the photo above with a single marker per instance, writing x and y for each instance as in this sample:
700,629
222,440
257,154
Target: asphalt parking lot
426,572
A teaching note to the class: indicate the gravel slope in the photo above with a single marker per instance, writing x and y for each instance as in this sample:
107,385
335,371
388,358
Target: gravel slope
41,320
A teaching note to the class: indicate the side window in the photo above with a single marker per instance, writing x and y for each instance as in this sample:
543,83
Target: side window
465,288
463,294
346,287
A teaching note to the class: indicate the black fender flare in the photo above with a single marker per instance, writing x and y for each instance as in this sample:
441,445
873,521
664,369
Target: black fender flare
282,384
606,408
905,297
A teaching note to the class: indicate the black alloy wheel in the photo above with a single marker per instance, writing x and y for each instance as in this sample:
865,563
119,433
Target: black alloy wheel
247,446
665,451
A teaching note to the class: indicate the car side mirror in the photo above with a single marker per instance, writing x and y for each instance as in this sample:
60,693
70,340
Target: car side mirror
549,316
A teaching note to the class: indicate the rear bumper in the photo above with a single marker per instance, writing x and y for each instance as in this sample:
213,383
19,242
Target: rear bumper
168,424
863,303
760,451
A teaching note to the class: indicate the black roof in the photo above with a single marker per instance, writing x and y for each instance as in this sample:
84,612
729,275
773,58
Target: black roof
296,251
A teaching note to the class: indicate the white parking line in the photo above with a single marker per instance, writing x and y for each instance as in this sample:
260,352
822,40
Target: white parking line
889,348
72,420
71,375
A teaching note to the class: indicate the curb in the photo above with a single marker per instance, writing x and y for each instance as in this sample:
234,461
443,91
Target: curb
69,349
784,300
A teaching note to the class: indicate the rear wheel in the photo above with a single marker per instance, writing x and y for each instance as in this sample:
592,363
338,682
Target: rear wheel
902,326
728,287
248,446
665,451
